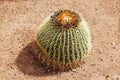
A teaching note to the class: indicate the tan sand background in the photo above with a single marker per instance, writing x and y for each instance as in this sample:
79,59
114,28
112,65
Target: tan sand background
19,20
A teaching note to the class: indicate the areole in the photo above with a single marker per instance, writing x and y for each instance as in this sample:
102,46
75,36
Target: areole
66,19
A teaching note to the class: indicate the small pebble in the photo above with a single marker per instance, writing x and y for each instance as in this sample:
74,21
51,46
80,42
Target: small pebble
106,76
111,59
113,43
100,50
101,59
74,70
93,64
114,47
117,78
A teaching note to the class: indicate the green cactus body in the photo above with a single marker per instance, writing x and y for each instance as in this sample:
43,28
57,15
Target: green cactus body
63,47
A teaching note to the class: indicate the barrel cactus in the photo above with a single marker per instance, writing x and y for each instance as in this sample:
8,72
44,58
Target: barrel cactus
64,39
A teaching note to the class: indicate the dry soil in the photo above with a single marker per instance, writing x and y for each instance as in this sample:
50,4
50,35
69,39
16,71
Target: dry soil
19,20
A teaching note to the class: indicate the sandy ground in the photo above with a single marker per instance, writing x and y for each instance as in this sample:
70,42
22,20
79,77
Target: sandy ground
19,20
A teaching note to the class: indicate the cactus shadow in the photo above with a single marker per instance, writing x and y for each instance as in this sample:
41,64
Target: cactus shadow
27,63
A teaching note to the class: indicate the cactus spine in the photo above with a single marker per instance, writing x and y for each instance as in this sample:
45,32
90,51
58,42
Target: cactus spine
64,40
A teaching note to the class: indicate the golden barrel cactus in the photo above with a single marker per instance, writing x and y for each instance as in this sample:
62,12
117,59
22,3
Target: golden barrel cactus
64,39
